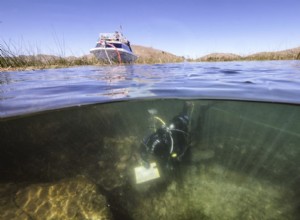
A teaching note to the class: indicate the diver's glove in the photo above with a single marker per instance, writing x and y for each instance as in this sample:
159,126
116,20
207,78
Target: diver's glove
144,158
146,164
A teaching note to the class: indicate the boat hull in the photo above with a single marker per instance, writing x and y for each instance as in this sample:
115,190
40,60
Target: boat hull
113,55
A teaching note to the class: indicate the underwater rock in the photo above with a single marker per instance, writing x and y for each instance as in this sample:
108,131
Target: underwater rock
115,160
75,198
8,208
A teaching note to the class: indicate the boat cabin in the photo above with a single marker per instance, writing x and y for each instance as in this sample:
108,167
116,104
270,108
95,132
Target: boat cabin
113,40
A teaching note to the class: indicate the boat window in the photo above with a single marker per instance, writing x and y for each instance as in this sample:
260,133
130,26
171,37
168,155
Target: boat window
115,45
124,46
108,45
118,45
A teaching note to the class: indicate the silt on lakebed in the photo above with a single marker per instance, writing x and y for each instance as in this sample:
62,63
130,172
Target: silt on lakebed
242,162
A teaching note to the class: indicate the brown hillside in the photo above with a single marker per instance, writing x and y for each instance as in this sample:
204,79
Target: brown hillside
151,55
290,54
219,57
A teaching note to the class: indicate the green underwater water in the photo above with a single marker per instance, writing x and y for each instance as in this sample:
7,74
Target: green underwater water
77,163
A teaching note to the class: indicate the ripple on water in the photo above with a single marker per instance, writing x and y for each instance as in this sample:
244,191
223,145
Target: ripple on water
31,91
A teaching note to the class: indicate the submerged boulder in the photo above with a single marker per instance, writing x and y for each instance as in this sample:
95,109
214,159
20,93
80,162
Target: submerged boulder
75,198
8,208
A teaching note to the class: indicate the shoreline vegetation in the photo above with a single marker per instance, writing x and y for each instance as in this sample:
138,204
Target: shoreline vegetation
12,61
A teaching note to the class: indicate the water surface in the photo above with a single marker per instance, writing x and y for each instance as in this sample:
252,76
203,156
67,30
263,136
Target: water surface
32,91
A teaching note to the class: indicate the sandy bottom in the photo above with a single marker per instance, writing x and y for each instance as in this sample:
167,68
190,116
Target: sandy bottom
216,193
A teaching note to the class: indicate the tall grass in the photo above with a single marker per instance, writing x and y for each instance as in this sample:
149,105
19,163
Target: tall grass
8,58
13,56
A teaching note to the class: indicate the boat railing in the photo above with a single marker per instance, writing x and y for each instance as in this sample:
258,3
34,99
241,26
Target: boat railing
117,36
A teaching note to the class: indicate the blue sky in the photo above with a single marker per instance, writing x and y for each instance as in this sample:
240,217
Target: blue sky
183,27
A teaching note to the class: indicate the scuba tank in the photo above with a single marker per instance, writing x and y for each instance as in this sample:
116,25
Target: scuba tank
169,142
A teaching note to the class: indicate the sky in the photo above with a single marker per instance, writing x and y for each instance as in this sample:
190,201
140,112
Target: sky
190,28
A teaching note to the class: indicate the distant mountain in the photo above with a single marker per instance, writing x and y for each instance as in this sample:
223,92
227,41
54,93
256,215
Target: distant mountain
290,54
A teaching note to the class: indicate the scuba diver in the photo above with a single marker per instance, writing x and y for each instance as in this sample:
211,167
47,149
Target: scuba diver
169,143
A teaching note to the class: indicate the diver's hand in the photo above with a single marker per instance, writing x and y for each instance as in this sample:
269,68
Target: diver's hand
146,164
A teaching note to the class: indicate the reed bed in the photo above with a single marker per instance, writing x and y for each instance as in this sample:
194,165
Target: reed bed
13,57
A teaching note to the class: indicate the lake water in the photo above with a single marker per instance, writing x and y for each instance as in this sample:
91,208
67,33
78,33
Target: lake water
32,91
224,137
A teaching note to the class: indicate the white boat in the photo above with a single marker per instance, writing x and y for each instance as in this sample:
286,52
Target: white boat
113,47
